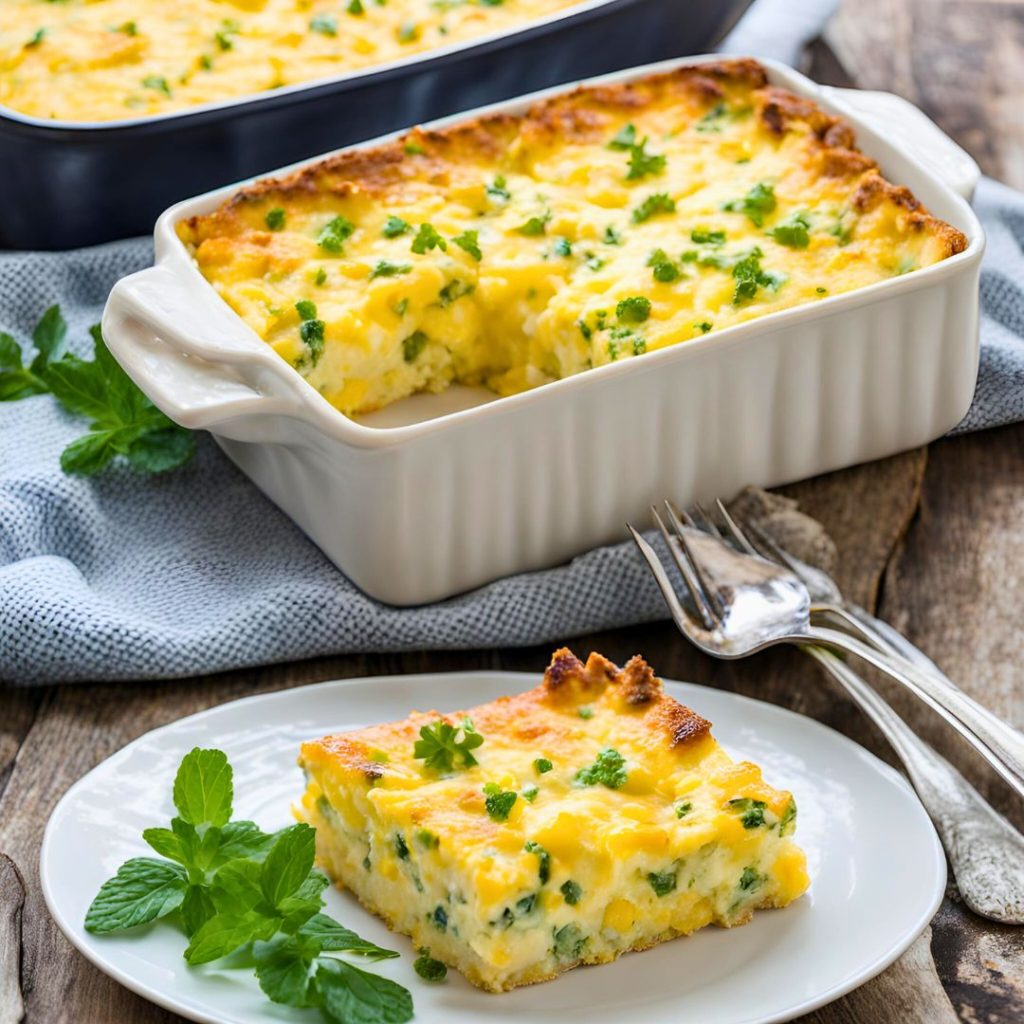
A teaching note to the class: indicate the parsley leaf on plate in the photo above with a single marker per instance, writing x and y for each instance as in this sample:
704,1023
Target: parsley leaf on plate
444,747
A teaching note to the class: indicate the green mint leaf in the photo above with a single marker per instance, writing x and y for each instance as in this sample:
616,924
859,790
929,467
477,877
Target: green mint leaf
282,969
203,787
351,996
444,747
224,933
196,909
10,353
327,934
242,839
304,903
288,863
142,890
236,887
89,454
171,845
81,388
159,451
48,337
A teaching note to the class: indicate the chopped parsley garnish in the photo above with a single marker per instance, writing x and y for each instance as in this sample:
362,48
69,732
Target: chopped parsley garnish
275,218
542,766
683,808
401,846
612,236
794,233
395,226
639,346
609,769
530,792
385,268
571,892
467,241
543,859
569,942
663,267
711,121
408,33
535,226
499,802
324,24
625,138
441,746
157,82
703,237
36,38
633,310
613,350
228,28
498,189
440,918
787,823
586,332
427,839
751,812
401,307
428,968
749,276
321,277
593,262
750,879
759,201
704,326
563,248
414,149
843,235
642,163
428,238
454,289
659,202
129,28
585,712
355,7
333,234
311,330
662,882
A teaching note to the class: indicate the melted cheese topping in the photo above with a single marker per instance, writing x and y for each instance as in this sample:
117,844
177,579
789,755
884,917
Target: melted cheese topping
601,225
103,60
572,870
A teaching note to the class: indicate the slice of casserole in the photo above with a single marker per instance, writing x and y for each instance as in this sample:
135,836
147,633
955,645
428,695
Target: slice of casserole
601,224
569,824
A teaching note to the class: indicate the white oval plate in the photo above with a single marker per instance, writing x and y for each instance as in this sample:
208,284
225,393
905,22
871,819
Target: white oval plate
877,867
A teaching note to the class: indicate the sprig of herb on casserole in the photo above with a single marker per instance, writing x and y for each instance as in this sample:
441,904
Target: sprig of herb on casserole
234,889
123,421
445,747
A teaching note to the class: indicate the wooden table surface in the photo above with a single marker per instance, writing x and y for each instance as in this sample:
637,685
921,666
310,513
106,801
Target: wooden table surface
933,540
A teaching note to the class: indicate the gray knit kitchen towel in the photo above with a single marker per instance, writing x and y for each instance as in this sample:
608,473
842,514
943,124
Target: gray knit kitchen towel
129,577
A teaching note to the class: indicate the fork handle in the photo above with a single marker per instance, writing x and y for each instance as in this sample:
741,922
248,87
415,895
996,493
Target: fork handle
992,885
998,743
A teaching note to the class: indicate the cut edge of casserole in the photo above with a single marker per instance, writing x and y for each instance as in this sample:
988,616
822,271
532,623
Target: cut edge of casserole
513,250
598,816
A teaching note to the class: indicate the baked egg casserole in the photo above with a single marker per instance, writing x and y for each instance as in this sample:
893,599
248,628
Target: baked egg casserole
107,60
511,251
590,816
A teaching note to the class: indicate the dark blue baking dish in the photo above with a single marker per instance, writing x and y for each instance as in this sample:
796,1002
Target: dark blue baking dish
65,184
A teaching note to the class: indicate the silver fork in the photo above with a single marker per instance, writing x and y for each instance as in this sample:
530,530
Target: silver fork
985,851
745,603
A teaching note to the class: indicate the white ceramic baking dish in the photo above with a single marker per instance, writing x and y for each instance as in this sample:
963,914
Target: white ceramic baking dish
439,494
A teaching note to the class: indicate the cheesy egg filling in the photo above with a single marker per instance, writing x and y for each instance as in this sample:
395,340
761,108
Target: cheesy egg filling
105,60
600,225
590,816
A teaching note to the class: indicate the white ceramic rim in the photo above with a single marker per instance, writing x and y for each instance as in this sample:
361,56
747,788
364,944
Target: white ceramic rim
868,972
331,422
383,70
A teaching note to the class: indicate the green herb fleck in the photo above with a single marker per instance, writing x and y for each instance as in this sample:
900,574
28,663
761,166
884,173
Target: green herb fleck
683,808
428,238
659,202
334,233
321,277
355,7
794,233
749,276
543,859
385,268
542,766
711,121
530,792
563,248
760,200
751,812
662,882
633,310
750,879
324,24
569,943
467,241
414,149
704,326
442,746
408,33
428,968
787,823
642,163
395,226
625,138
499,802
609,769
639,346
36,38
535,225
703,237
411,348
427,839
401,846
157,82
663,267
275,218
585,712
498,189
571,892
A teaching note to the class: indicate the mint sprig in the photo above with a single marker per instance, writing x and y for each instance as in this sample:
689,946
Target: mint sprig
123,421
237,891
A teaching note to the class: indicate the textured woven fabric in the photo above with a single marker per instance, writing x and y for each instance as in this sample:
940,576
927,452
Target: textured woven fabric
128,577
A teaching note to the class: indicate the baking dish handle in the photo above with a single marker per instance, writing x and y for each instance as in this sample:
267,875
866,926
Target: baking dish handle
193,359
888,113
